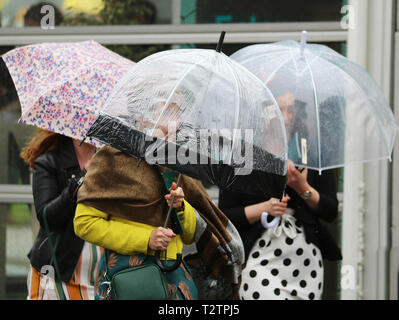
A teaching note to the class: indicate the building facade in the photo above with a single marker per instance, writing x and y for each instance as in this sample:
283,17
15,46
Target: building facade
363,30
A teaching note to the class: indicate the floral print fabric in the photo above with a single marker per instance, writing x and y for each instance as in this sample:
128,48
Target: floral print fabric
61,86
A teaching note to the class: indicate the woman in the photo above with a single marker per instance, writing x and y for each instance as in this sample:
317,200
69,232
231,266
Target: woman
124,212
285,261
58,162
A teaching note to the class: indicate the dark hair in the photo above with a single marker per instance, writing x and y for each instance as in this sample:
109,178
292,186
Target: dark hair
150,12
297,124
332,116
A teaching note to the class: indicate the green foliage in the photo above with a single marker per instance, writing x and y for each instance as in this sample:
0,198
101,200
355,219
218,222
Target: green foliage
81,19
19,214
128,12
121,12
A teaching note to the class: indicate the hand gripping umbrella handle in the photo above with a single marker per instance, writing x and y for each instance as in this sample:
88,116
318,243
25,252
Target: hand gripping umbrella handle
164,267
179,256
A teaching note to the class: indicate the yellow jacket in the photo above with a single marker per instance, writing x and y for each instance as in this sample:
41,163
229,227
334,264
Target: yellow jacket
128,237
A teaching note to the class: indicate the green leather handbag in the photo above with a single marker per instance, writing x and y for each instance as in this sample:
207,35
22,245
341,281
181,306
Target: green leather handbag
145,282
141,282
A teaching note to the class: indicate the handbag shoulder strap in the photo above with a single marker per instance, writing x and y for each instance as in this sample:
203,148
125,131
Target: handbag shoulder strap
53,248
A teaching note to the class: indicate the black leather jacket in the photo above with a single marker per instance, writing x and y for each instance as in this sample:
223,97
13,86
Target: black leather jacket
55,176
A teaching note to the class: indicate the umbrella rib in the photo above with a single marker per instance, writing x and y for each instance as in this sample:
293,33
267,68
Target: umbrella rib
341,108
293,60
283,50
360,88
278,68
172,92
120,84
255,78
237,112
117,88
317,111
280,49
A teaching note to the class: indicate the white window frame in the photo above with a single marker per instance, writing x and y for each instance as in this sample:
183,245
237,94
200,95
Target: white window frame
176,34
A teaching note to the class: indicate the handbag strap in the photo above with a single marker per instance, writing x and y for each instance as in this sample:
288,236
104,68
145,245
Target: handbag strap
53,260
105,253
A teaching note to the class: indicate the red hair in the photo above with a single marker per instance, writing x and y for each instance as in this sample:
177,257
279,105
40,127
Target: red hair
42,142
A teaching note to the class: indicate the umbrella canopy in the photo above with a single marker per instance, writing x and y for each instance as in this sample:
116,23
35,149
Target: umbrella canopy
61,85
329,103
200,113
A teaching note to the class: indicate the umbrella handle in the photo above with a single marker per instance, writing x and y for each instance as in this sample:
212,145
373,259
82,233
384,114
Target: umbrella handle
270,224
179,256
220,43
303,41
163,266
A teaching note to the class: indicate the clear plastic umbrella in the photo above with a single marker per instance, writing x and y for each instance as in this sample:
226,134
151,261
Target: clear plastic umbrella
334,112
202,114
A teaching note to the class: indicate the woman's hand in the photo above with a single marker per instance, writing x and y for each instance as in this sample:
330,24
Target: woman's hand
275,207
179,197
160,238
297,180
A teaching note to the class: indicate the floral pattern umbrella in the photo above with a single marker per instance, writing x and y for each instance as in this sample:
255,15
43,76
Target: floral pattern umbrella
61,85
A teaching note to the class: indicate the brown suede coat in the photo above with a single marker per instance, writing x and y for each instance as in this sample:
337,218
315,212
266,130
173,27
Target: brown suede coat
116,185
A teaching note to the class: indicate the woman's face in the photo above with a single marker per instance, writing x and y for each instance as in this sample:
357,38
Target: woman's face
286,104
170,120
163,123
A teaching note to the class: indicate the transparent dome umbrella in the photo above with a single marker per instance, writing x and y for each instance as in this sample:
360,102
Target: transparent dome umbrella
60,86
201,114
334,111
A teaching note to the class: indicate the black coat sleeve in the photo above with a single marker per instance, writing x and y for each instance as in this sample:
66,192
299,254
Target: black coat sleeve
325,184
231,204
59,202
